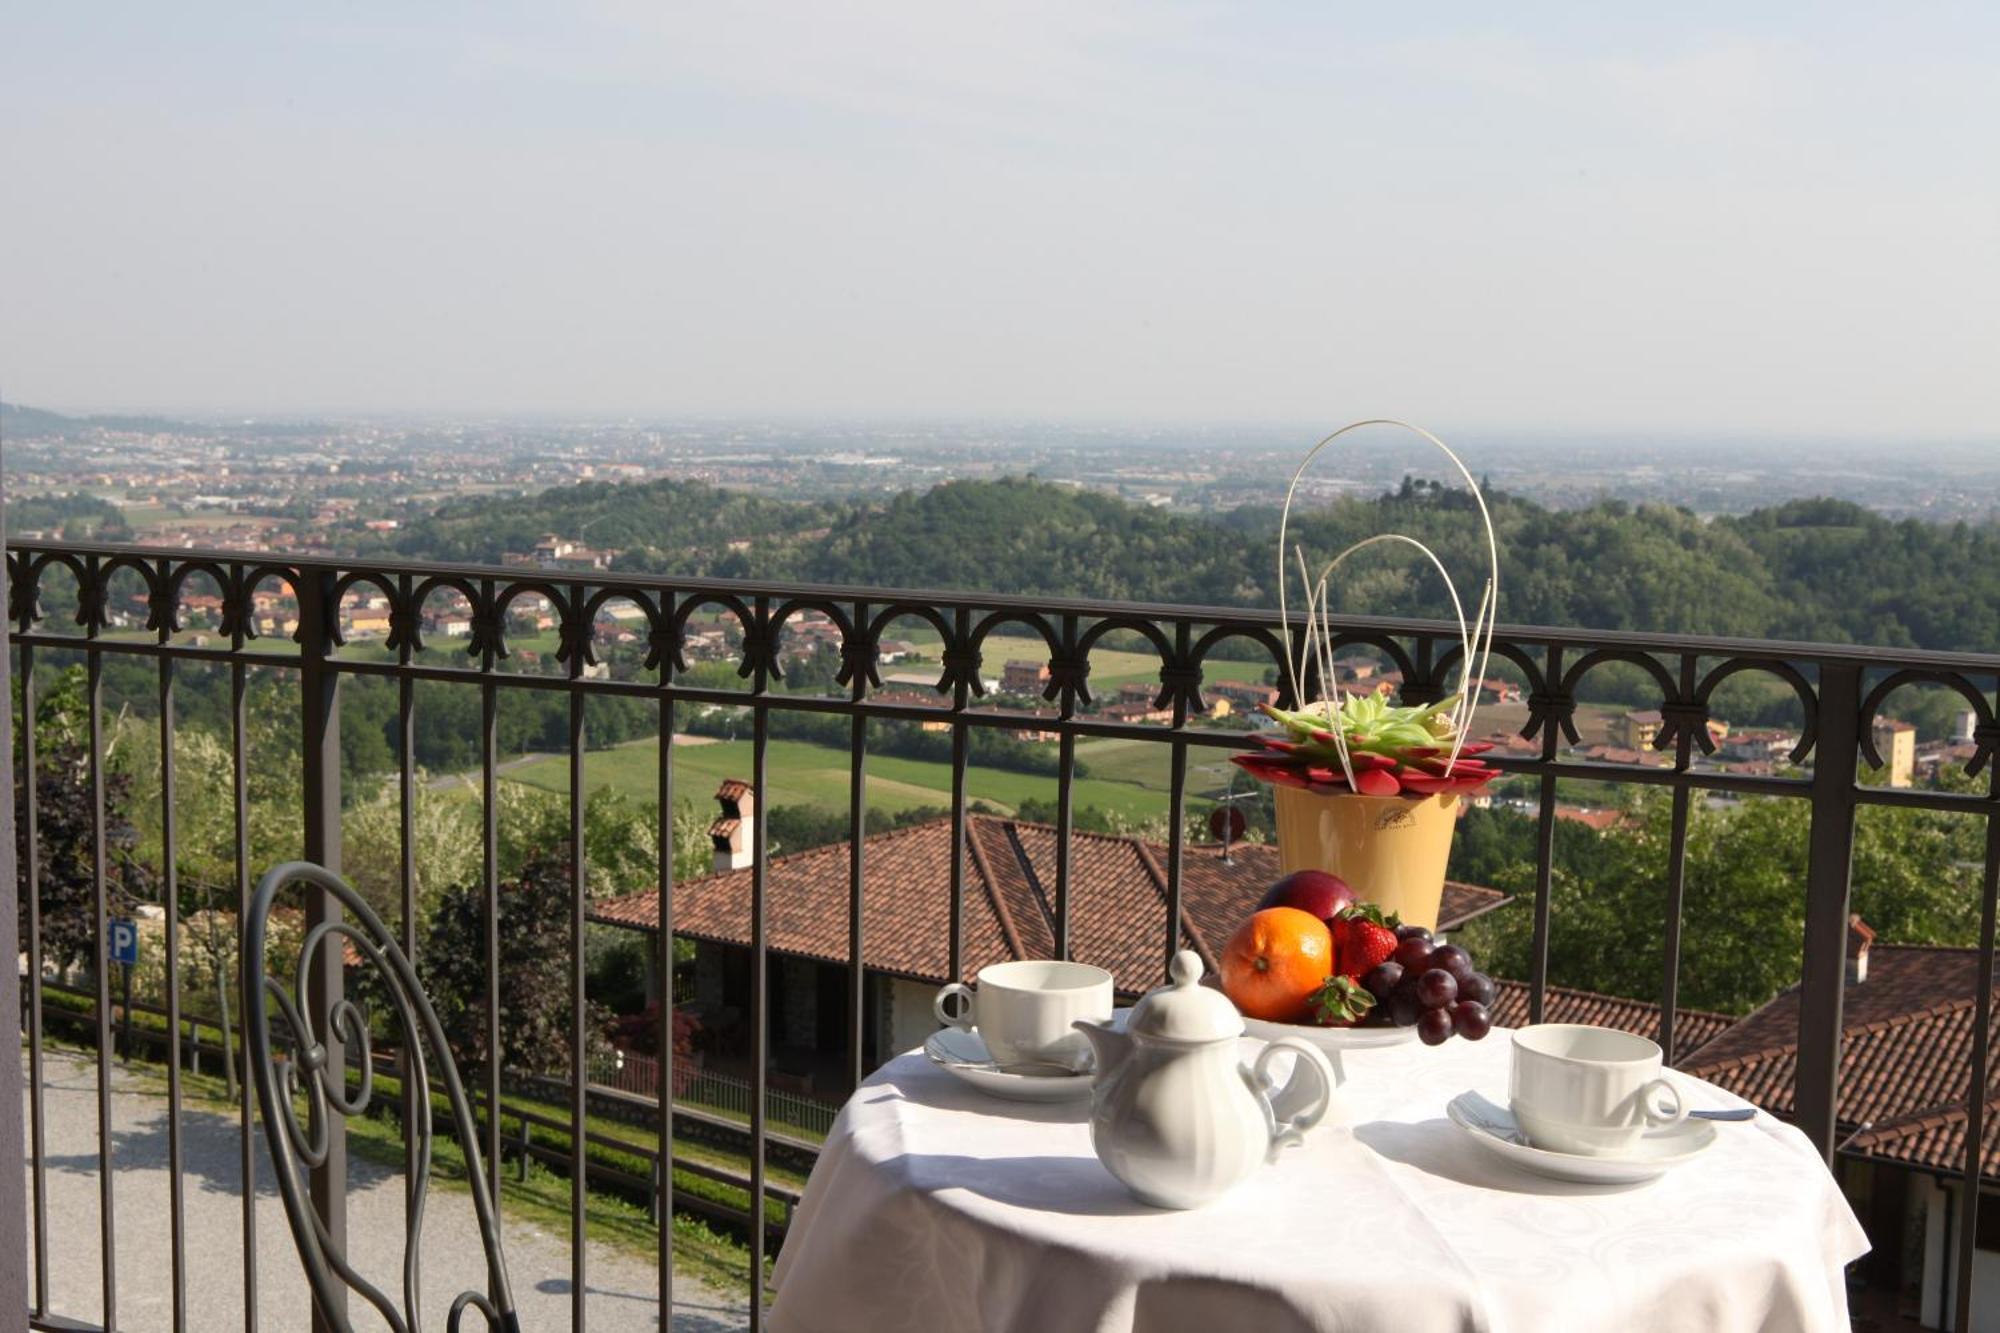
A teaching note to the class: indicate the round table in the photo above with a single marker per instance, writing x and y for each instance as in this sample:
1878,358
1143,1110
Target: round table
934,1207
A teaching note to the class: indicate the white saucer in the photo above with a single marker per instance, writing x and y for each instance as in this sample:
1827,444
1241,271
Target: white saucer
963,1055
1331,1039
1492,1127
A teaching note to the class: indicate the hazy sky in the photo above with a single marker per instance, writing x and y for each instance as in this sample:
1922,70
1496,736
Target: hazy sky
1711,218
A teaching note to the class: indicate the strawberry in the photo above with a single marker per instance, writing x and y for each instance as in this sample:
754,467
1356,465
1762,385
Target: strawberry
1340,1003
1362,937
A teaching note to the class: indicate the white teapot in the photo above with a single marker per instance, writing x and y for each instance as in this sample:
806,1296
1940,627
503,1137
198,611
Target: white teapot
1174,1114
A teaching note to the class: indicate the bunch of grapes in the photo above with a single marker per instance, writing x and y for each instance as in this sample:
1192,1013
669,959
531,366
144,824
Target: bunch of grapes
1431,986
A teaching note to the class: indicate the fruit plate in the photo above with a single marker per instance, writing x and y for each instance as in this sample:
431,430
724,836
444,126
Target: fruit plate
1331,1039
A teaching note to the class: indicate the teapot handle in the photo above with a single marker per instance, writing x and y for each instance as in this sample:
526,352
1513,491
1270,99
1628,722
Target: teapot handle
1295,1108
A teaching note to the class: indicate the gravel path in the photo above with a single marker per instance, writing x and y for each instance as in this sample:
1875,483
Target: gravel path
622,1287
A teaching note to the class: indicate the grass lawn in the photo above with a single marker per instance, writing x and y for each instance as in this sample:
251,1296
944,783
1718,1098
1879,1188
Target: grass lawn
1109,668
805,774
1148,765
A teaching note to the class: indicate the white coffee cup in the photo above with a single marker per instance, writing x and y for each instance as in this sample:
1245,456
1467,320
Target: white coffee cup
1024,1011
1589,1090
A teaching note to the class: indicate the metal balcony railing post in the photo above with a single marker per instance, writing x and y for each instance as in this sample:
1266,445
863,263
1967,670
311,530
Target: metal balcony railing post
1823,976
319,693
13,1173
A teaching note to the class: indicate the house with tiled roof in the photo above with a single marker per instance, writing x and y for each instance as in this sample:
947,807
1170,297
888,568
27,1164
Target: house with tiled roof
1116,902
1693,1028
1908,1018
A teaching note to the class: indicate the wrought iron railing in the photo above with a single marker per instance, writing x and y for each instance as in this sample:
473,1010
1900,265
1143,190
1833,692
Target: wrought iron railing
1839,690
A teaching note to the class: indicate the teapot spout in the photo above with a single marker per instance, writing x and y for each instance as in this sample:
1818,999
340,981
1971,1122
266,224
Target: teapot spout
1108,1045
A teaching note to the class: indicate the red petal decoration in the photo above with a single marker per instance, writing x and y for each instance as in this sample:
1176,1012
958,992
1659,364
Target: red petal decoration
1376,782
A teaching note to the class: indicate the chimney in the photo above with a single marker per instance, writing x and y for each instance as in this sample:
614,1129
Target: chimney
731,830
1859,937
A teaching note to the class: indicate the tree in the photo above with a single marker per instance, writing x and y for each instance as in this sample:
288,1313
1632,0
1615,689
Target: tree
535,948
444,843
620,836
1914,879
65,844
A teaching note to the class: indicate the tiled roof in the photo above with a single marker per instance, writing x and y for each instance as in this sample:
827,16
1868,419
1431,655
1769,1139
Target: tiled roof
1902,980
1905,1057
1693,1028
1117,900
1933,1140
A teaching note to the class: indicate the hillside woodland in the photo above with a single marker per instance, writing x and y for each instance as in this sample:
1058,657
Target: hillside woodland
1809,569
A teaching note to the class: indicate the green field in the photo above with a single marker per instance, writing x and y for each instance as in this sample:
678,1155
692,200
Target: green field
805,774
1109,667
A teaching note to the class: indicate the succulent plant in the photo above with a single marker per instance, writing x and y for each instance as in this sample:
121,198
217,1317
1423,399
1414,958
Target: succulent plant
1389,751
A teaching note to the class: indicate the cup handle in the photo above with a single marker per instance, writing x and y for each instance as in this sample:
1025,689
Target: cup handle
963,1019
1657,1117
1295,1109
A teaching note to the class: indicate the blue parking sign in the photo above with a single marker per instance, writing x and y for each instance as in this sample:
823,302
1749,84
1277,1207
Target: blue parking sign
124,941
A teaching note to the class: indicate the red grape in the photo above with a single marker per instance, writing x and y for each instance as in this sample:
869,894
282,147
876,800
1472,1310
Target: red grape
1413,953
1437,989
1434,1026
1453,960
1403,1008
1412,933
1478,988
1470,1019
1382,978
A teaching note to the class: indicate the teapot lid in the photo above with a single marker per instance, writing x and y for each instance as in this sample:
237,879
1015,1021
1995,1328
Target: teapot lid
1185,1010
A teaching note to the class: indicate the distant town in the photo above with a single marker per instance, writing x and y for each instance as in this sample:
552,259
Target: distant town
328,487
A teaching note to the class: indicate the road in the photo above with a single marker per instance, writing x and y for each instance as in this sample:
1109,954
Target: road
622,1287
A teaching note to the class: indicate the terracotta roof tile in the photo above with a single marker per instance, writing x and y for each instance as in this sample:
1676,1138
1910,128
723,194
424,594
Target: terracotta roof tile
1693,1028
1905,1058
1902,980
1117,900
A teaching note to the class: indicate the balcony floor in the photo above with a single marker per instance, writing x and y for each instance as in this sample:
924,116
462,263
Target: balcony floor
622,1285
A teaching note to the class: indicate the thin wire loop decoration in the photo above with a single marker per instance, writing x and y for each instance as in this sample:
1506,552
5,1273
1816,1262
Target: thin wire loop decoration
1313,650
309,1071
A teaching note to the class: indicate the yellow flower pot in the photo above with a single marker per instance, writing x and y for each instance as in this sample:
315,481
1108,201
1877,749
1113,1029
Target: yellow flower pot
1391,849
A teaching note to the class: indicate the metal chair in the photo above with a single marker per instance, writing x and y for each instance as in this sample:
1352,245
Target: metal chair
325,1087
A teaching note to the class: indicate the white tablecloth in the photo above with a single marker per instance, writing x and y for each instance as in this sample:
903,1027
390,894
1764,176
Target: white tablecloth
936,1209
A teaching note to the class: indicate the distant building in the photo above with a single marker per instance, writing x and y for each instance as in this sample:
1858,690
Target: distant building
1493,690
1244,694
1591,816
917,699
1754,744
1138,712
1897,743
1637,729
1024,677
553,552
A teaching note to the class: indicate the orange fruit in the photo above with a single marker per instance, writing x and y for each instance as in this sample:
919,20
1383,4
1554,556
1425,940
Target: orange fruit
1275,961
